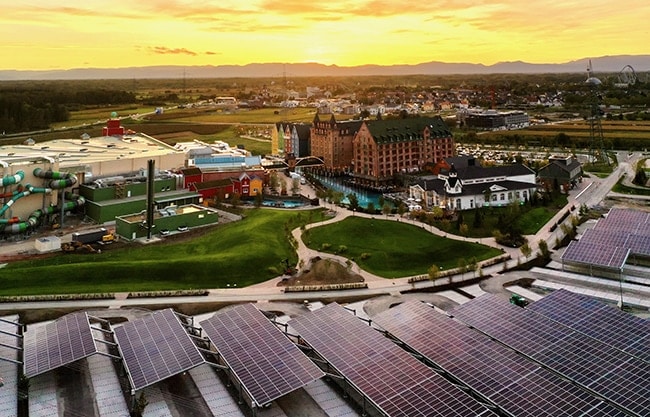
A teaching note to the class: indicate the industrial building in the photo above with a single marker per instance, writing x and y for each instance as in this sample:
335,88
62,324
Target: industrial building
493,120
97,177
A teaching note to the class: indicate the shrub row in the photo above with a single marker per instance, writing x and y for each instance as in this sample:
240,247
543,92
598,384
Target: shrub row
55,297
454,271
178,293
326,287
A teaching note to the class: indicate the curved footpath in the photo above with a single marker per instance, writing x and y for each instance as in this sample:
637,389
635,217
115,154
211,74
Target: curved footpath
588,192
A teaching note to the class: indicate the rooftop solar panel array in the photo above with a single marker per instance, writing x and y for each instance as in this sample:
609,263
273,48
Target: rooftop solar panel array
607,244
617,377
517,385
606,237
610,325
625,219
267,363
595,254
397,383
58,343
155,348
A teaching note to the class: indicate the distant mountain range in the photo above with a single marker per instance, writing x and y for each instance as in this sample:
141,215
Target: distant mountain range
605,64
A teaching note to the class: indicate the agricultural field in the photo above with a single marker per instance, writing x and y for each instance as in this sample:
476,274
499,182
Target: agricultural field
617,134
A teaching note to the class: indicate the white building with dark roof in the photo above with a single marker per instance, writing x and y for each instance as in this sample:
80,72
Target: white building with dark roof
474,186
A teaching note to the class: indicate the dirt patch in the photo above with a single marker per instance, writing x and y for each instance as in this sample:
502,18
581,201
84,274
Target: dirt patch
323,271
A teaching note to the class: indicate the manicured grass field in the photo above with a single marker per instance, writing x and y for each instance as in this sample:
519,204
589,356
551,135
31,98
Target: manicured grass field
242,253
528,219
395,249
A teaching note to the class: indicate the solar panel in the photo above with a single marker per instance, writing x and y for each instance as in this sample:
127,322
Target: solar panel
266,362
595,254
489,368
625,219
58,343
580,358
639,244
610,325
612,240
605,237
390,378
155,348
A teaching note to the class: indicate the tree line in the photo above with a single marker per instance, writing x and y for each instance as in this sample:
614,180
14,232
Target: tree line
34,108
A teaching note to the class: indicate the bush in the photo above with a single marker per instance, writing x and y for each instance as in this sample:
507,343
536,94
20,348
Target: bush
325,246
342,249
365,255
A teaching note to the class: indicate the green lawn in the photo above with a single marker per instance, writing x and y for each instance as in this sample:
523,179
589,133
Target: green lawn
619,187
395,249
245,253
527,219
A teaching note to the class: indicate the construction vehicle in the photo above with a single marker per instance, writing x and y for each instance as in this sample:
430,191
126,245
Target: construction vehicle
108,238
76,246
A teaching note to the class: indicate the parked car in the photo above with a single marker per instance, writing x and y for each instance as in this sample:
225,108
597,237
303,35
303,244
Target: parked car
183,228
164,232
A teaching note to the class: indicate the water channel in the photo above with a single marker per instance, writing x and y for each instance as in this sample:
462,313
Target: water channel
364,196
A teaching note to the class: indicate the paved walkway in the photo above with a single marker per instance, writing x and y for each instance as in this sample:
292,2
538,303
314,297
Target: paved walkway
270,291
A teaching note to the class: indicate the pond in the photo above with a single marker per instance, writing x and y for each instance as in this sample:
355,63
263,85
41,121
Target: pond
364,196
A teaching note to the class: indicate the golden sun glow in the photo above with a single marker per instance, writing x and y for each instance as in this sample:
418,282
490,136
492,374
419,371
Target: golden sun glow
39,34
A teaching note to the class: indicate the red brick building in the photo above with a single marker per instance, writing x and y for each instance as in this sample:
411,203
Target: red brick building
384,148
332,141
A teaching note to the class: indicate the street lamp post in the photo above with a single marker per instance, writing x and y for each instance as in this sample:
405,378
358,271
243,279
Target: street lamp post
620,282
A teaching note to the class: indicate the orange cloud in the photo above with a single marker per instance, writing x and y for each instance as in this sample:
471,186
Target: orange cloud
162,50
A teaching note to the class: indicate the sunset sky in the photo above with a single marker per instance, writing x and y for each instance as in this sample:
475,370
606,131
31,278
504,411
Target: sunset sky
43,34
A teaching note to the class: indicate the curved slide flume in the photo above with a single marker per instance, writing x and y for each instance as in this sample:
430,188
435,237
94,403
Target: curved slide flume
35,218
18,195
59,180
13,179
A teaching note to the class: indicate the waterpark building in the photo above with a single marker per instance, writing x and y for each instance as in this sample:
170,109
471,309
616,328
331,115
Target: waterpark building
41,181
33,189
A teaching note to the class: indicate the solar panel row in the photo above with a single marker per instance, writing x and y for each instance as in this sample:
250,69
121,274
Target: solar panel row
600,321
592,364
58,343
156,347
612,240
595,254
267,363
397,383
627,219
512,382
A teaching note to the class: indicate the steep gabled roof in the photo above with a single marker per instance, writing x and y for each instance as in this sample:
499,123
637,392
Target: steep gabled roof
404,130
207,185
438,185
191,171
568,168
473,172
303,130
